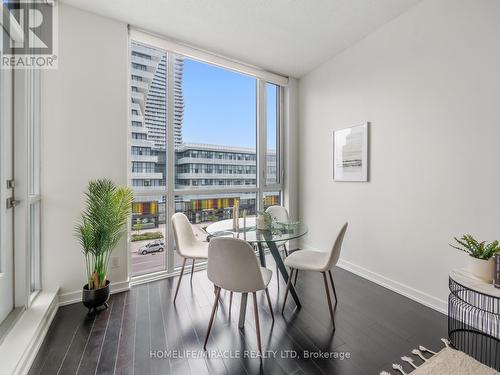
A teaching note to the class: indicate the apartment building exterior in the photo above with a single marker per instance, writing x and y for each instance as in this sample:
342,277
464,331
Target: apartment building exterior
200,166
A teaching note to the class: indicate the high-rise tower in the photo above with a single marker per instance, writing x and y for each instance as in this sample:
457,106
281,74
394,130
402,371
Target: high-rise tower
149,117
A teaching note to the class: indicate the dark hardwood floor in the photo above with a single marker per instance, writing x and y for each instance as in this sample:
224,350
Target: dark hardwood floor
374,326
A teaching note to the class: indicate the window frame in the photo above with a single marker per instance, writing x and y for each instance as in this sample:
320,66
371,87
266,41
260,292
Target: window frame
278,184
34,196
27,120
170,191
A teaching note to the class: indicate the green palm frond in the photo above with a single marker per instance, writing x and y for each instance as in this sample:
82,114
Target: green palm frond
102,224
476,249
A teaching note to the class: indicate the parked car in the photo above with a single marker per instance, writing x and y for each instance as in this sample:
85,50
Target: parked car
152,247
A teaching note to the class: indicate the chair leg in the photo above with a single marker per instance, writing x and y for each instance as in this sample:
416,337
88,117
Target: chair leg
287,289
192,271
328,298
295,280
286,251
210,323
269,303
180,277
333,286
257,325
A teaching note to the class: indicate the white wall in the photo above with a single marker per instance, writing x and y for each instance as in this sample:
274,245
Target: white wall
429,83
84,135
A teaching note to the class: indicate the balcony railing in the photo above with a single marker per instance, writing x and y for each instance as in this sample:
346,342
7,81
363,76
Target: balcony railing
188,160
142,73
136,118
144,61
138,129
142,143
136,95
146,158
140,84
147,175
201,175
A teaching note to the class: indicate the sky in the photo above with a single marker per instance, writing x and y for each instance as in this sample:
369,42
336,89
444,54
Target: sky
220,106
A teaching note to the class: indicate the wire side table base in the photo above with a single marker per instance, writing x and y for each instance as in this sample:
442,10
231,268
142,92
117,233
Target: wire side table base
474,323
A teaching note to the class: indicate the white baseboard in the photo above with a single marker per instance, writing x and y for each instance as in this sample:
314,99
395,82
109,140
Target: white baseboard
400,288
76,296
405,290
21,345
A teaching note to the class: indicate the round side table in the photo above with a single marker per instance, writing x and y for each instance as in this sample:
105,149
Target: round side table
474,317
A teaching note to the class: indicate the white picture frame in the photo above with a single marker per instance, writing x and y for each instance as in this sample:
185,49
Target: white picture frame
350,154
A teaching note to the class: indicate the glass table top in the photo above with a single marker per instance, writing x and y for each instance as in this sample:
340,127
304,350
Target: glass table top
280,231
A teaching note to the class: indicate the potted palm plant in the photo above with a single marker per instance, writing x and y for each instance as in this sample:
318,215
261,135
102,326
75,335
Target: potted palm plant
480,255
100,227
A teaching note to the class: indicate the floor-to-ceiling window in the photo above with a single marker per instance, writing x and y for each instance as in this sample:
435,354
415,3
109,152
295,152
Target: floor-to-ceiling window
202,137
216,153
148,157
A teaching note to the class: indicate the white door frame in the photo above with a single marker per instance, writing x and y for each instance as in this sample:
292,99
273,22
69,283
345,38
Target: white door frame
6,214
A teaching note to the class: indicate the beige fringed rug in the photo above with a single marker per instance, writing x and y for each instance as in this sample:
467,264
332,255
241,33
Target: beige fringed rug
453,362
448,361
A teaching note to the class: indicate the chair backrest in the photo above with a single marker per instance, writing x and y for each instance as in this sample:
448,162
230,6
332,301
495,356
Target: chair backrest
278,213
183,233
232,265
337,246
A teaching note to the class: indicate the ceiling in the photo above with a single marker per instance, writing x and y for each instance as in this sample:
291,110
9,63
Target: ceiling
290,37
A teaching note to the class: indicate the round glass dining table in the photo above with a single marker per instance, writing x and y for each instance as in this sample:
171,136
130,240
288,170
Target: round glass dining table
279,233
247,230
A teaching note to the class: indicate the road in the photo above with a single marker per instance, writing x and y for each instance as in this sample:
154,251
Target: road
154,262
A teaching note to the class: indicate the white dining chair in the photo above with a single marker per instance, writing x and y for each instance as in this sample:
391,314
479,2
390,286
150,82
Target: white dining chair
280,214
316,261
233,266
188,246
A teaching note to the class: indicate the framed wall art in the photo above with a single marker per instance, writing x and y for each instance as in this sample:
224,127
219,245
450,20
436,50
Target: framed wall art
350,154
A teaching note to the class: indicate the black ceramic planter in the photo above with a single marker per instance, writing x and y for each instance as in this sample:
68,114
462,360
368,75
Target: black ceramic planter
94,298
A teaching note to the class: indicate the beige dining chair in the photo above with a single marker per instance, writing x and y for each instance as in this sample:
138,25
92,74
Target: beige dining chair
233,266
188,246
316,261
280,214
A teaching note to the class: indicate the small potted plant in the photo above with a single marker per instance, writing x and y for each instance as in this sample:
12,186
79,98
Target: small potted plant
101,225
480,255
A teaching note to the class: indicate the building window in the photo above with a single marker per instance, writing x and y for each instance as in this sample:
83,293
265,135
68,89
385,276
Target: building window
138,66
141,55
